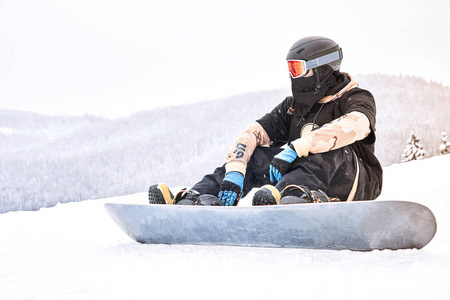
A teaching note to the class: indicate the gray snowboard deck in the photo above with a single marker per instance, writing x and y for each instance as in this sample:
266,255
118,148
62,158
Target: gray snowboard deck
361,226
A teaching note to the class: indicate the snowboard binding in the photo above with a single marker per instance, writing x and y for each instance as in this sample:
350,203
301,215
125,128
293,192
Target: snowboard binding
192,197
293,194
161,194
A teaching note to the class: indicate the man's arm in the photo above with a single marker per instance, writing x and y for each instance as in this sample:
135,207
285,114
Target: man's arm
346,130
243,147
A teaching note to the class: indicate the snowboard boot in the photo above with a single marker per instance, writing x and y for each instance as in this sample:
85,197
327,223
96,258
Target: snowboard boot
294,194
266,195
160,194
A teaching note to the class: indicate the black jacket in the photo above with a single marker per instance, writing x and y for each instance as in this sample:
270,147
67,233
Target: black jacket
283,127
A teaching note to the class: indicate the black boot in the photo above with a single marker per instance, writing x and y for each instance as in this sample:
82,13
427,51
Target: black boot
266,195
160,194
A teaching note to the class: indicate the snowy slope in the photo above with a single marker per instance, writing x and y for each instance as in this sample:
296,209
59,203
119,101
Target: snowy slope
76,251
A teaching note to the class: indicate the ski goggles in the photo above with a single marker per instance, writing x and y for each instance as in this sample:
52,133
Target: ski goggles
298,68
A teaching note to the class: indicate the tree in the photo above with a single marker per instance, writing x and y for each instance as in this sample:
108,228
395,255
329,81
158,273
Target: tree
444,147
413,150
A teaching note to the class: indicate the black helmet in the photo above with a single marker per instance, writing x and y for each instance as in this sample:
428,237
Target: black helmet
313,47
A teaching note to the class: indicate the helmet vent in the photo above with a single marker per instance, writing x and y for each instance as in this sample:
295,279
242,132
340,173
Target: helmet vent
301,50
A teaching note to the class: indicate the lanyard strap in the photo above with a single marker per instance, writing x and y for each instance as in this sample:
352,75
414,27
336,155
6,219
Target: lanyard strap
351,196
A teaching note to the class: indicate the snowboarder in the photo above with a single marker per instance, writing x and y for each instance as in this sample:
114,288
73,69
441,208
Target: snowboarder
319,142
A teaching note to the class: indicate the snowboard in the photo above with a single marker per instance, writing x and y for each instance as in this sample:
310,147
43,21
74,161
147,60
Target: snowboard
359,226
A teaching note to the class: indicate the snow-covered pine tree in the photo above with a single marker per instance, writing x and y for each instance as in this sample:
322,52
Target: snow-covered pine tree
444,147
413,150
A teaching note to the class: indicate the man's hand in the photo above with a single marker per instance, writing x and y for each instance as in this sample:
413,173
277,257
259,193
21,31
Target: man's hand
281,163
231,188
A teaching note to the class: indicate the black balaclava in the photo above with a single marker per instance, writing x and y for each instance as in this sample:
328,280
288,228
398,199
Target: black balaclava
308,90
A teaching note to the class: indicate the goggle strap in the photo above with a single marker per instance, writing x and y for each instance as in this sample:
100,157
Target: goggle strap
323,60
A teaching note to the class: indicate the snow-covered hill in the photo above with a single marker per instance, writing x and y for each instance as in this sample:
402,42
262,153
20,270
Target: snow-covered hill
76,251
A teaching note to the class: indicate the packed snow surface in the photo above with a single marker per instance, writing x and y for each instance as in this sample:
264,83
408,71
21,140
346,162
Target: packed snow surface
76,251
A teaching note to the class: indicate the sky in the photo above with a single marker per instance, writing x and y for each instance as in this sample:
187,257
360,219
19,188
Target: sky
116,57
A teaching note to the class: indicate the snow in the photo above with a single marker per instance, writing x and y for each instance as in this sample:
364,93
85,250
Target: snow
76,251
7,131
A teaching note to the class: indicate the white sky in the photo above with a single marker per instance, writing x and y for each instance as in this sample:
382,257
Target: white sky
114,57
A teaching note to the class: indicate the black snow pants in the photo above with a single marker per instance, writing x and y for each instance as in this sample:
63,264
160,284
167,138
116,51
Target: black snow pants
332,172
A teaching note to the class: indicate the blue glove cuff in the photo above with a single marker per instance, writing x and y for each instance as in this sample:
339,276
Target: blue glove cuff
236,178
287,154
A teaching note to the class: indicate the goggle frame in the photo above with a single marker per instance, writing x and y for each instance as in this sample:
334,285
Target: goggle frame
307,65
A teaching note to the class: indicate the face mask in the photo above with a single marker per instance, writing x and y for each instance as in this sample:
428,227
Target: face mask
308,90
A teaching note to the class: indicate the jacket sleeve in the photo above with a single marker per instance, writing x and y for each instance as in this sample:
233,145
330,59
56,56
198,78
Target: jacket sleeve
239,154
346,130
277,123
362,101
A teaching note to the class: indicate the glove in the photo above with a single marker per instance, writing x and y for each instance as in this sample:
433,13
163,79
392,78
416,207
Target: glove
281,163
231,188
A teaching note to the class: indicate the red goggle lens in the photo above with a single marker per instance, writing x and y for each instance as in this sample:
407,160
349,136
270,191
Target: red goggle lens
296,68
